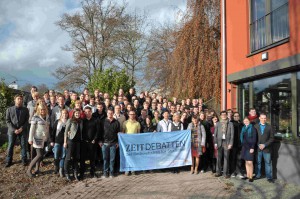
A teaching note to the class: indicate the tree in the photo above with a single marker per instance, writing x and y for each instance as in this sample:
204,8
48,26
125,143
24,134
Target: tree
6,99
94,32
157,70
133,47
185,61
110,80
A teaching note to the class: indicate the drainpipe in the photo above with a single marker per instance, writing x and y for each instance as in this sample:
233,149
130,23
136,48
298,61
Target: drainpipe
224,82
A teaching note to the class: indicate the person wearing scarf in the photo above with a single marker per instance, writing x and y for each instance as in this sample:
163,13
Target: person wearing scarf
248,140
223,139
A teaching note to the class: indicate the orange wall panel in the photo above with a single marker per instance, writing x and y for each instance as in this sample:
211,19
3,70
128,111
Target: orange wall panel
238,44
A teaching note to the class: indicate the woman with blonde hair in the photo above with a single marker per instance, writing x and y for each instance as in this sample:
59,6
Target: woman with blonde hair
57,142
38,134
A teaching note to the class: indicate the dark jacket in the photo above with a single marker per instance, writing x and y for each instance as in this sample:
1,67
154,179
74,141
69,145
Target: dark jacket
110,131
90,130
12,120
147,129
267,138
59,137
249,142
101,118
55,114
237,126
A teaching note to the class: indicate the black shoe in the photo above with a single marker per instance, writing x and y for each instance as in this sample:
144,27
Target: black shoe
8,164
270,181
218,175
257,177
251,180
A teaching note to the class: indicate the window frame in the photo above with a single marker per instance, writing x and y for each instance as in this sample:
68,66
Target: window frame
268,26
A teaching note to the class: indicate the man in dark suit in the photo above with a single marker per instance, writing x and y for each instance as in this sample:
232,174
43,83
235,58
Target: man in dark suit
265,140
17,118
223,138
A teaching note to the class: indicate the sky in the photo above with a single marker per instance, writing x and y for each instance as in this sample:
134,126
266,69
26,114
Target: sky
31,44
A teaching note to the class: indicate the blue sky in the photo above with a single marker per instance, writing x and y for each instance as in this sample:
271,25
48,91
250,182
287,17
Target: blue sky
30,42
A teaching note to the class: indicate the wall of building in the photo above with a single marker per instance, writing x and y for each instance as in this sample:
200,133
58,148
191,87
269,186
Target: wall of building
238,41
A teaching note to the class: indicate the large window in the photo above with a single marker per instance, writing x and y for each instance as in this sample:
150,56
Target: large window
273,96
269,22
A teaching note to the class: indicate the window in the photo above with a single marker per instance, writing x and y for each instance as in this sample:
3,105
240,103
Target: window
269,22
273,96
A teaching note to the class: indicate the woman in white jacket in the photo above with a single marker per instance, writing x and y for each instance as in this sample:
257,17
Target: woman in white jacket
38,134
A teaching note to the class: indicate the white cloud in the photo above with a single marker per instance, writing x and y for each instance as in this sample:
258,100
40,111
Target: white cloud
33,42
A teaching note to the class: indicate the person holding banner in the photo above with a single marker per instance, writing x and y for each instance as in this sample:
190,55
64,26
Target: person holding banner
176,125
131,126
198,142
109,143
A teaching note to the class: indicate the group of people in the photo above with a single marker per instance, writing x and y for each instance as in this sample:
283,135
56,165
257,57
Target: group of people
85,127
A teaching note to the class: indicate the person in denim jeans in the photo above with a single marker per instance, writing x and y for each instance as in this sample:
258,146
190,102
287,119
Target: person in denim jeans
57,141
109,143
17,118
265,134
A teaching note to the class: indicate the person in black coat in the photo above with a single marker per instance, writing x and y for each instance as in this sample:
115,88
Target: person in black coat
236,164
248,139
265,139
90,137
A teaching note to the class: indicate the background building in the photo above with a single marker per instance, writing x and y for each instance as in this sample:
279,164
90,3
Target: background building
261,68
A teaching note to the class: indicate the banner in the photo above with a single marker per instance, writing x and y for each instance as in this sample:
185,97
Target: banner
147,151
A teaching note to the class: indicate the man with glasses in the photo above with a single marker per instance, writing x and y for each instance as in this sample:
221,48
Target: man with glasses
131,126
223,140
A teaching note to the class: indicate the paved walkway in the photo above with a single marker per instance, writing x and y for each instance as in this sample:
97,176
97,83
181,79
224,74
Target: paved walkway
183,185
149,185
